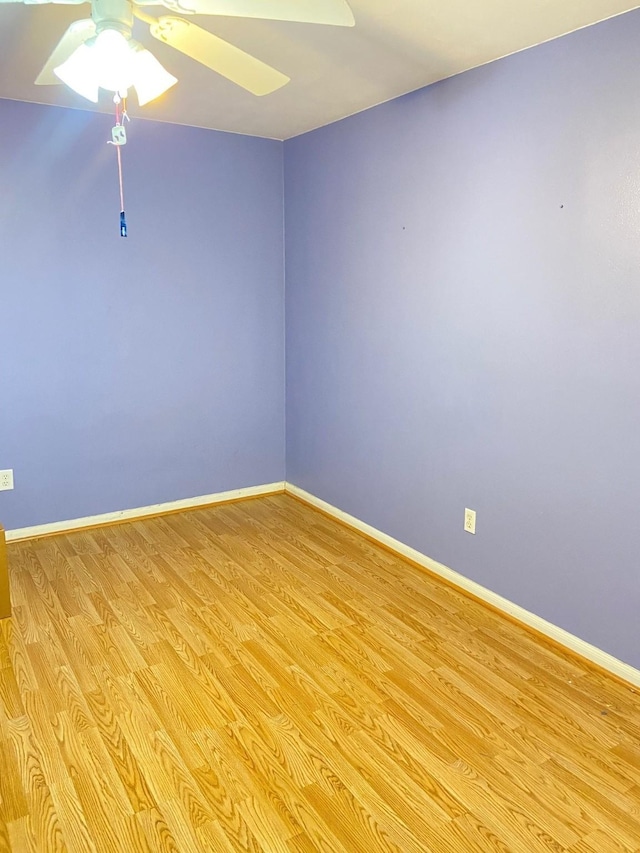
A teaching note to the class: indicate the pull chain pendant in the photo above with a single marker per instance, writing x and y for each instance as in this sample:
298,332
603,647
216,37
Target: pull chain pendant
119,138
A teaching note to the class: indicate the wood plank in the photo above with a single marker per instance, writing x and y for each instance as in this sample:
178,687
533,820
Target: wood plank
257,677
5,601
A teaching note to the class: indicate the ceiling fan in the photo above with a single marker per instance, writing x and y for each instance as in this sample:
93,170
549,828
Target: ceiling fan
99,52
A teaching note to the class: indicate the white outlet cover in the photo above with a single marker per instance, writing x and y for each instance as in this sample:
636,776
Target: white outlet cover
469,520
6,479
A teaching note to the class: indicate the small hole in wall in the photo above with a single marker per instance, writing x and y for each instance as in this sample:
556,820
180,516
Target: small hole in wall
561,206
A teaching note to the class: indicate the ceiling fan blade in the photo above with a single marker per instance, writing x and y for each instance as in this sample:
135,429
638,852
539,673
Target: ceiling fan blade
219,55
78,32
334,12
42,2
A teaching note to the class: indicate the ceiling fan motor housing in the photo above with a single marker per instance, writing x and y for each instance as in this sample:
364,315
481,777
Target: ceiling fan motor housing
113,15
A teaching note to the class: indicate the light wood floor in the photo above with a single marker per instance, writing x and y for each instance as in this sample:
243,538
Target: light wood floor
256,677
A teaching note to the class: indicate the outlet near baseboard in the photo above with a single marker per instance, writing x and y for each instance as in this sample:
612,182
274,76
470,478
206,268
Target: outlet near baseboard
470,520
6,479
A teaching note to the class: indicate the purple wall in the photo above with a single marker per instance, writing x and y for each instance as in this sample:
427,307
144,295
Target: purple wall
463,325
141,370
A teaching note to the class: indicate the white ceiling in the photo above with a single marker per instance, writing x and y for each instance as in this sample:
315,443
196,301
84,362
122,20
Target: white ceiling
396,46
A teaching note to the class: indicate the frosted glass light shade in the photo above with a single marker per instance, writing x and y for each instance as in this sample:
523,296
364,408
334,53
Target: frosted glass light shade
78,73
113,62
150,79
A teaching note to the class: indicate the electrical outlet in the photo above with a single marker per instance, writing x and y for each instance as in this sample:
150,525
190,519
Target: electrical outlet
6,480
470,520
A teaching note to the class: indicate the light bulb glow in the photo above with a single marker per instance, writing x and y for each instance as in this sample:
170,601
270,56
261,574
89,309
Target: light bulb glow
77,73
149,77
113,62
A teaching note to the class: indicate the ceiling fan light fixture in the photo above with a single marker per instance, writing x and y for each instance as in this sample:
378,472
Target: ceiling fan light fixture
150,78
116,63
78,73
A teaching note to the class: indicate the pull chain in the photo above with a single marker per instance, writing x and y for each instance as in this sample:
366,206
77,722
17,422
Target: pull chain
119,138
123,219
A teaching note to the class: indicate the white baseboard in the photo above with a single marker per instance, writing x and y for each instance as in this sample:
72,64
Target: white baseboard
559,635
142,512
